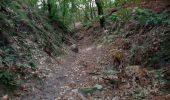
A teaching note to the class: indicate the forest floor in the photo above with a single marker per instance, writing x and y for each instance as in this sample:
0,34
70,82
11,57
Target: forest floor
90,74
62,78
99,71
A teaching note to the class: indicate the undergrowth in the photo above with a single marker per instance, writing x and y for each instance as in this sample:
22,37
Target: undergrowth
149,35
20,20
143,21
141,16
9,80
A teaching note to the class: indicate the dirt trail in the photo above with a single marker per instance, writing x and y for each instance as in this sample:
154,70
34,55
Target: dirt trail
62,78
71,72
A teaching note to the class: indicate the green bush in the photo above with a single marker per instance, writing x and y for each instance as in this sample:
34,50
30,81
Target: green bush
9,80
114,17
149,17
122,15
5,3
141,16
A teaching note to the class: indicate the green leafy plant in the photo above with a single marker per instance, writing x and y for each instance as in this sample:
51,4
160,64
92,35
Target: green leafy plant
119,3
31,60
91,90
5,2
115,17
149,17
33,2
9,80
8,58
121,15
138,95
8,76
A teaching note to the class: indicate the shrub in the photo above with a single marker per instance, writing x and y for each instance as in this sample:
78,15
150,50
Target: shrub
149,17
9,80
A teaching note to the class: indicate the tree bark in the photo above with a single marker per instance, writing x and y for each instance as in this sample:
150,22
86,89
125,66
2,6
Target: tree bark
100,13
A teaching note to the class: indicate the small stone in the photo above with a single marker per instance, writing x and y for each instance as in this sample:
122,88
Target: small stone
75,90
99,87
5,97
74,48
116,98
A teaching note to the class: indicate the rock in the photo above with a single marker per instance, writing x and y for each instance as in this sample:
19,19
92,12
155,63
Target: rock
1,63
1,53
116,98
99,87
168,97
5,97
74,48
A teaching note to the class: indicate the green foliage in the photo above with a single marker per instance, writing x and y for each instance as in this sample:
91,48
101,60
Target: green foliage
115,17
91,90
108,37
138,95
87,91
9,80
31,61
122,15
120,3
33,2
99,17
87,24
149,17
28,22
141,16
5,3
159,76
9,58
163,76
11,71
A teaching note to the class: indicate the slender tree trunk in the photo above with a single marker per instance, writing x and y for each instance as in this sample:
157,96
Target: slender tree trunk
87,11
73,12
43,4
100,13
49,8
91,9
110,3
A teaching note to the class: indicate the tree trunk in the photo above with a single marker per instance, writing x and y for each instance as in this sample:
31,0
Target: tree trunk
49,8
100,13
91,9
